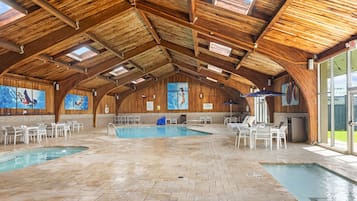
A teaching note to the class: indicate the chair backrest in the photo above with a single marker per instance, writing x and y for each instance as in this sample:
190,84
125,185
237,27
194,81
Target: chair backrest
245,120
282,129
263,132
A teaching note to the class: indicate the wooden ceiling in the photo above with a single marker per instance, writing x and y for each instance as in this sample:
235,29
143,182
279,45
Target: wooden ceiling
153,39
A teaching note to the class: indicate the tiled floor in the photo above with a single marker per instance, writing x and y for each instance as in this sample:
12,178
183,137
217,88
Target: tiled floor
149,169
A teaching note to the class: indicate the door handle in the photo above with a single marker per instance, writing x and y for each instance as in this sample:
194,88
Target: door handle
351,123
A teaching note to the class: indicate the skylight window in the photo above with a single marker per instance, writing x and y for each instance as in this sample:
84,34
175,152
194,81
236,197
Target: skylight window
8,14
138,81
211,79
82,54
220,49
238,6
214,68
118,71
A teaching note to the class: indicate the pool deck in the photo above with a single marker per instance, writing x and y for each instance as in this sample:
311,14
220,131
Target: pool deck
149,169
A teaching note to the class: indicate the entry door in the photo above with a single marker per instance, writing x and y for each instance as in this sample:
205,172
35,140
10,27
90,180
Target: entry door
352,135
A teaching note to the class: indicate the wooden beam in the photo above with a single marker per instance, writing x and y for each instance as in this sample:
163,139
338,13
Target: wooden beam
335,50
95,38
137,66
182,19
149,26
54,11
11,46
276,17
274,50
41,45
195,42
239,64
191,4
16,6
166,53
259,79
49,59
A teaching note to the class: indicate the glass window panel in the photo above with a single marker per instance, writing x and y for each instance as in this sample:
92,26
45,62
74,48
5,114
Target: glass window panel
354,68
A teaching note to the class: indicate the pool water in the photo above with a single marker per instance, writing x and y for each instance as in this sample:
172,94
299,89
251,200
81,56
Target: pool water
311,182
21,159
156,132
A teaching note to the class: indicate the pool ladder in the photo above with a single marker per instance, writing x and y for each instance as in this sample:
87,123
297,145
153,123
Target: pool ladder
111,126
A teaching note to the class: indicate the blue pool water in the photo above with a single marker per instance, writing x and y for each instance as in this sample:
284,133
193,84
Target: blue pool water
21,159
311,182
155,132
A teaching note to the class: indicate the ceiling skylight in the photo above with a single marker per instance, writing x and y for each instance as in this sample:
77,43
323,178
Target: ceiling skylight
82,53
138,81
238,6
8,14
211,79
214,68
118,71
220,49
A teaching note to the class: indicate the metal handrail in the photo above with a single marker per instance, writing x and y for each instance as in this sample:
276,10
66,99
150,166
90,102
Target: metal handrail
111,125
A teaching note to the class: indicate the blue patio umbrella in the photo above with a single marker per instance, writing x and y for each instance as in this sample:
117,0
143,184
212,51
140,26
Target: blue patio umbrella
264,93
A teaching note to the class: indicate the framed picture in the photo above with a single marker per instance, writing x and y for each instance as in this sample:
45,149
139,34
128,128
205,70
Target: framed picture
22,98
75,102
177,96
208,106
292,94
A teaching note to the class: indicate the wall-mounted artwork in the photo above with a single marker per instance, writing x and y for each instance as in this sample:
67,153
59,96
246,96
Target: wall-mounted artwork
75,102
291,96
177,96
22,98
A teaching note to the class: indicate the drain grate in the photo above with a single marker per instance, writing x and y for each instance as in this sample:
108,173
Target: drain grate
180,177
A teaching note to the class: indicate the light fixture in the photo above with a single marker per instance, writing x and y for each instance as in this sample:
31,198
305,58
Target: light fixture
117,96
201,95
269,82
94,92
154,96
310,64
56,85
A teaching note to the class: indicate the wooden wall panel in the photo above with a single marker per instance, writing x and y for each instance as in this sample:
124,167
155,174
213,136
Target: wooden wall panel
301,108
22,83
110,102
136,102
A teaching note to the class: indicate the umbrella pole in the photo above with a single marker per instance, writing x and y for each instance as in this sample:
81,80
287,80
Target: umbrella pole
230,109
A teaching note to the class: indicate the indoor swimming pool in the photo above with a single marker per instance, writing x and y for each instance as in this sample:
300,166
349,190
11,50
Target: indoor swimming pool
312,182
156,132
25,158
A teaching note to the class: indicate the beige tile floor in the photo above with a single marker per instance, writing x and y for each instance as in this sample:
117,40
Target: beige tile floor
148,169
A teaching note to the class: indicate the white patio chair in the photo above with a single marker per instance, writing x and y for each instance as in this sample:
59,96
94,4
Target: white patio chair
280,135
42,132
263,133
18,132
241,133
208,120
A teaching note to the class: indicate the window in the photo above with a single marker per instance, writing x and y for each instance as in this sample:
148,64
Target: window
138,81
82,53
238,6
214,68
8,14
118,71
220,49
211,79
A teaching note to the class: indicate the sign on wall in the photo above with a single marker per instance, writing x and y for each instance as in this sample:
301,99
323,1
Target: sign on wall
150,106
208,106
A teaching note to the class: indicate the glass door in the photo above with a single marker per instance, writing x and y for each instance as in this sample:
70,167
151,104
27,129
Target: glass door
352,137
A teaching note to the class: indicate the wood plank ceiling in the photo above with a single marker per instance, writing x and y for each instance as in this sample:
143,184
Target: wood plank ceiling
151,39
